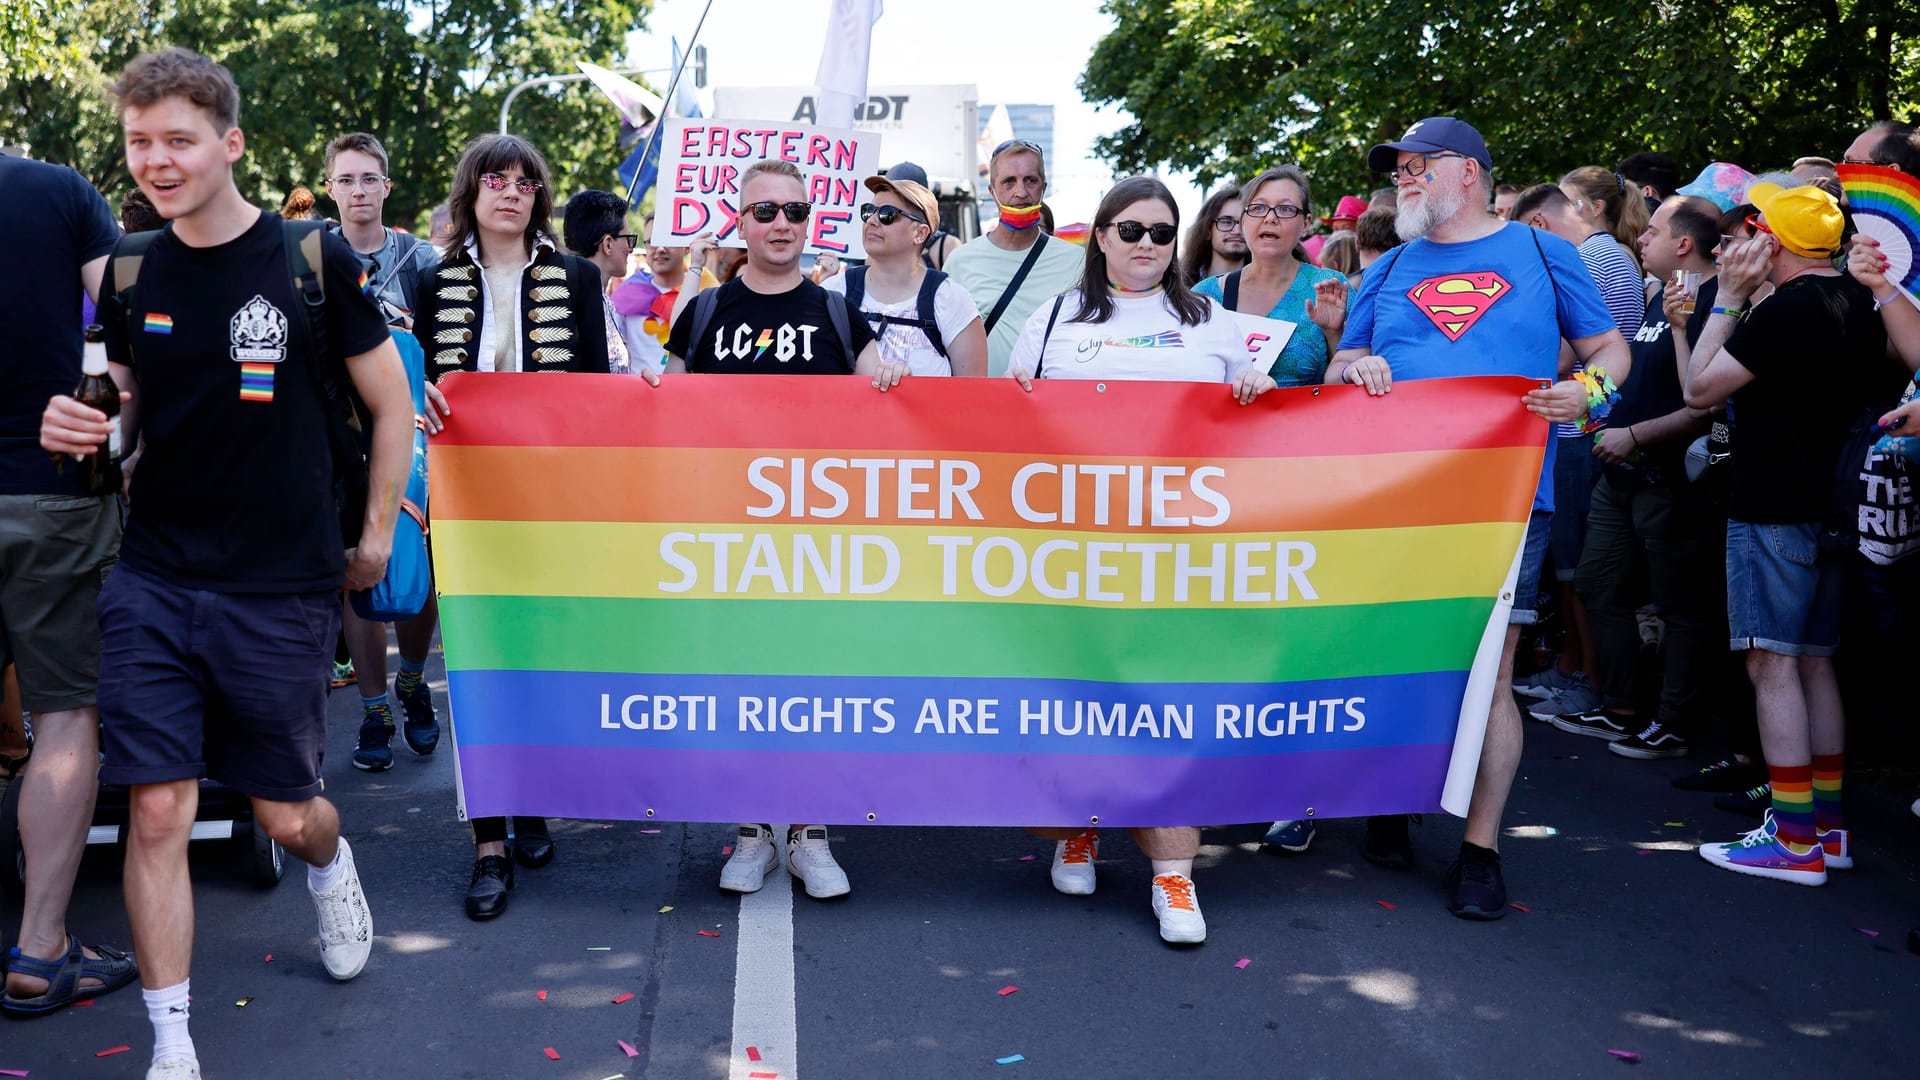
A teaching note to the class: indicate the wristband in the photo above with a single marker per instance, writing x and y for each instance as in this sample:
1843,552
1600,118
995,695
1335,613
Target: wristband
1736,314
1602,393
1879,303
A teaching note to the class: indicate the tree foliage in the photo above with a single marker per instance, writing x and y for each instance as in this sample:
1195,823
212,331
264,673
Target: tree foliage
1228,87
425,76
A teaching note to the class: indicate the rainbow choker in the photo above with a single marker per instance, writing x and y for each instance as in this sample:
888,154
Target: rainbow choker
1124,291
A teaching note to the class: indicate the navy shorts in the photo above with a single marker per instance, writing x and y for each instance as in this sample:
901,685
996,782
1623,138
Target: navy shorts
1533,560
1573,477
228,686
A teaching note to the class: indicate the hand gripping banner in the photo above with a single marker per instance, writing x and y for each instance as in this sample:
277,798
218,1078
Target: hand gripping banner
957,603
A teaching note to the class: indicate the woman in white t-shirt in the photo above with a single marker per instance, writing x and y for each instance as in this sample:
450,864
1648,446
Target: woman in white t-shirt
1133,317
900,217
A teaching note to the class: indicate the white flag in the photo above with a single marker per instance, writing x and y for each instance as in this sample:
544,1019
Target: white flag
842,77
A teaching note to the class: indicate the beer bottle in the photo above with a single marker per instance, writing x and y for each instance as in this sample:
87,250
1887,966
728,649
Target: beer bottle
100,470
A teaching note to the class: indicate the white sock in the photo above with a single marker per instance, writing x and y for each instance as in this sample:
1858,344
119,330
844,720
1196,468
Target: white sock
1183,867
168,1010
323,879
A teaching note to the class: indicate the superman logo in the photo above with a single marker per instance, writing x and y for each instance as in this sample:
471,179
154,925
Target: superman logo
1456,301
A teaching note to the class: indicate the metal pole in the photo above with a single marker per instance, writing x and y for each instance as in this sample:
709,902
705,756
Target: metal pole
666,99
546,80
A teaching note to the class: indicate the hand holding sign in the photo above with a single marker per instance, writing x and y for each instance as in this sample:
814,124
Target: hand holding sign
702,163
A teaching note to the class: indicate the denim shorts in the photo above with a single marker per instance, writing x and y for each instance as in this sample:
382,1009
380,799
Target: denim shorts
1573,476
224,685
1783,593
1533,560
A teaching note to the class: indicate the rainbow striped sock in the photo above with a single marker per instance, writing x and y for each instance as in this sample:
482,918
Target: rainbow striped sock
1793,807
1826,791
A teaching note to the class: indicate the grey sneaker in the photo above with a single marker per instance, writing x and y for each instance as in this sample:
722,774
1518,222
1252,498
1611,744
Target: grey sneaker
1579,698
1545,683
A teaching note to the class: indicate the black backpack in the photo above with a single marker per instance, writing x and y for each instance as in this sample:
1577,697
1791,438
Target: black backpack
349,424
926,323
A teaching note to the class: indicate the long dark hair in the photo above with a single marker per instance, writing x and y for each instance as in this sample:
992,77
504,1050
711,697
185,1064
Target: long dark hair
1197,262
496,153
1095,305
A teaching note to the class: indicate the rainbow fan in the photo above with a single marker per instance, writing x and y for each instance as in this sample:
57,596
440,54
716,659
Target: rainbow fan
1886,206
1075,233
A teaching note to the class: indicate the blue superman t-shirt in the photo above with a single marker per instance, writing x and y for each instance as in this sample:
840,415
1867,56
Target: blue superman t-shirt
1498,305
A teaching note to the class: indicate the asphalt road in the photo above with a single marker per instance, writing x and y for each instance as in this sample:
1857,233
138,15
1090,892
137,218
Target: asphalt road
1629,943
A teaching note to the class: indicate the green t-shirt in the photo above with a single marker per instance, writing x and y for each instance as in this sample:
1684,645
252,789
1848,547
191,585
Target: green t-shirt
985,269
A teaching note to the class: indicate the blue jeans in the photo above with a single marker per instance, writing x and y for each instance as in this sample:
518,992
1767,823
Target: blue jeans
1783,593
1533,560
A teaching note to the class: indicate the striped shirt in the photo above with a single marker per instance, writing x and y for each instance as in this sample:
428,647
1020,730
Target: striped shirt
1621,289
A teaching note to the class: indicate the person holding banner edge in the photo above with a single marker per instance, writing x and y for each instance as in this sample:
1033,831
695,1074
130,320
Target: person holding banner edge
773,320
1511,294
505,299
1134,307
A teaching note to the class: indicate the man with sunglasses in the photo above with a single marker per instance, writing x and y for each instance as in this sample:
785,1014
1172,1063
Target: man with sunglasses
1015,267
1801,367
1890,144
1470,294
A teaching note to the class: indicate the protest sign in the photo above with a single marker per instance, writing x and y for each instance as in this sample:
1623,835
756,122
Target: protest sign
702,162
799,599
1265,337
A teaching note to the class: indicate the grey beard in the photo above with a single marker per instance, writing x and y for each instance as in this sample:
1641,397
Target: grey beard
1438,206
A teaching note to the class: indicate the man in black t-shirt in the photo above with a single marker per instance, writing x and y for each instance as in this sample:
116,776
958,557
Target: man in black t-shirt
1643,516
1801,366
56,542
217,628
771,320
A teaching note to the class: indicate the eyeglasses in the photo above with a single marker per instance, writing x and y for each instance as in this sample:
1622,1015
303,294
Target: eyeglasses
632,239
1226,223
1727,240
1131,232
764,212
1283,211
1864,161
1417,164
888,214
348,183
496,182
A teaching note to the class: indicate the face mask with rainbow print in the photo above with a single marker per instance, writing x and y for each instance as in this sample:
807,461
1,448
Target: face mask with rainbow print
1020,217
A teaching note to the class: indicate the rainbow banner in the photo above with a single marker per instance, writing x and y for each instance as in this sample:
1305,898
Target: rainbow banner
958,603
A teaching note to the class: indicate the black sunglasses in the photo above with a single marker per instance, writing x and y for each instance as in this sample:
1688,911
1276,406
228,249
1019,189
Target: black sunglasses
764,212
1131,232
888,214
632,239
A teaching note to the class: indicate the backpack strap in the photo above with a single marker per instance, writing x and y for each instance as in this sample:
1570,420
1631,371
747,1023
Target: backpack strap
1230,291
842,325
1019,278
856,286
1548,267
128,254
347,428
1040,360
705,303
929,320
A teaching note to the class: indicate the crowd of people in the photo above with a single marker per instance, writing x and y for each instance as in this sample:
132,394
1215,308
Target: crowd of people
1703,484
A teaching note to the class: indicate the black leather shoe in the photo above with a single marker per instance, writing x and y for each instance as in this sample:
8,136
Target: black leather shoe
532,848
492,879
1387,843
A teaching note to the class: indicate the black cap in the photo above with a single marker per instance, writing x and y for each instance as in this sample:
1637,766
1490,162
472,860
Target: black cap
1431,135
907,170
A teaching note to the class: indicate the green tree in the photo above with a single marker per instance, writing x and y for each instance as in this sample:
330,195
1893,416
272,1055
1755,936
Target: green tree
425,76
1227,87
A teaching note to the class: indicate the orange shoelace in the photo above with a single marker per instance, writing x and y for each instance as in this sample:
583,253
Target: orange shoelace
1081,849
1179,891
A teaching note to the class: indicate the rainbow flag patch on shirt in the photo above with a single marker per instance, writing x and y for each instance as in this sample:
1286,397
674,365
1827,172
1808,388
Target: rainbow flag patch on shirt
158,323
256,382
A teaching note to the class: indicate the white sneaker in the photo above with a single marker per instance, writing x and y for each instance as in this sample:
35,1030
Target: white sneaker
174,1067
753,856
346,926
1177,910
1073,863
810,860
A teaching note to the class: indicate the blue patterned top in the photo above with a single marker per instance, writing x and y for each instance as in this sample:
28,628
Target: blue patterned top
1304,360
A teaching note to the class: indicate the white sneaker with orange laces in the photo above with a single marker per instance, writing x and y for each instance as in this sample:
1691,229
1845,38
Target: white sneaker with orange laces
1073,863
1177,910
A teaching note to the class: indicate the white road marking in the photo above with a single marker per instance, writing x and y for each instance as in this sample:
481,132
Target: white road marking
763,1007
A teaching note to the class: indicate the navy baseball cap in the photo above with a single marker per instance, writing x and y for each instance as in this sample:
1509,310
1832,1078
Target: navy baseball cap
1432,135
907,170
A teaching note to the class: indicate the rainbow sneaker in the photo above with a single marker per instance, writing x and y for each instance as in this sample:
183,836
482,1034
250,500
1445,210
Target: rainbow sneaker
1761,854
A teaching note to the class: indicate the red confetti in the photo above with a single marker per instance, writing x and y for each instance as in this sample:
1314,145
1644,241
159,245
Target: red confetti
623,999
753,1053
728,850
707,933
1005,990
763,1076
552,1054
1388,905
111,1050
83,1004
1521,907
1627,1056
541,994
268,960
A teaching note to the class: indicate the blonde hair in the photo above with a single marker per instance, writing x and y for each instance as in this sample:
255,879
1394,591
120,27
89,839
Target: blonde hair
1624,209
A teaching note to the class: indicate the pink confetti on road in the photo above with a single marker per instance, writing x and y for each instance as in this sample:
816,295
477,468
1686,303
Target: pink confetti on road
728,850
753,1053
627,1048
1388,904
763,1076
649,832
1028,858
83,1004
1869,933
1627,1056
552,1054
1241,964
13,1072
1524,909
1005,990
623,999
706,933
268,960
111,1050
540,994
